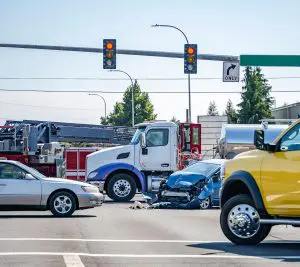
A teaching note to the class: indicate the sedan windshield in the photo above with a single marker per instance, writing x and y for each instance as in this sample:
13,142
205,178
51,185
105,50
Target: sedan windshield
34,172
202,168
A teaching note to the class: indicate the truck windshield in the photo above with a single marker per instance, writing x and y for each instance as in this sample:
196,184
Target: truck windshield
136,138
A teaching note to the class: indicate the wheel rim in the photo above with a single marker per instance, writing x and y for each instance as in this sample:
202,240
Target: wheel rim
243,221
205,203
63,204
122,188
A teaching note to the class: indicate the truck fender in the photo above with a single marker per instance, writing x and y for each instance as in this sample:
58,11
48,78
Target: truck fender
106,170
249,185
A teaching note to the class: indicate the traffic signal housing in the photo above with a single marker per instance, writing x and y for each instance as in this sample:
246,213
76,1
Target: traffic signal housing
190,58
109,54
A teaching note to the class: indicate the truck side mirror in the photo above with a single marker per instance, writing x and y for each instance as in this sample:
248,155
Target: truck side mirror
143,140
143,144
259,139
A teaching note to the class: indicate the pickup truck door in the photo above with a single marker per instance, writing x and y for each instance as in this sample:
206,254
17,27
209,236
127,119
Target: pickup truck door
157,154
280,175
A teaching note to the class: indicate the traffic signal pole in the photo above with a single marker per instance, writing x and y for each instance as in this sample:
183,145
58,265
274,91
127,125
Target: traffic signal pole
190,103
189,76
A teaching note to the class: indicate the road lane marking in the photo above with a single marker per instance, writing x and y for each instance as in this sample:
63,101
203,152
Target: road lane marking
149,255
72,261
111,240
141,240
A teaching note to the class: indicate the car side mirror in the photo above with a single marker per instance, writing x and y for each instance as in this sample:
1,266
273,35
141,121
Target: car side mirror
259,139
29,176
143,140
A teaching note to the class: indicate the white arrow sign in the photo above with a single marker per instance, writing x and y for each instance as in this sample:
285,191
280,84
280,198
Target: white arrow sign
231,71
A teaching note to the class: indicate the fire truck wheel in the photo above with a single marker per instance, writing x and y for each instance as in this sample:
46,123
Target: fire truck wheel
121,187
62,204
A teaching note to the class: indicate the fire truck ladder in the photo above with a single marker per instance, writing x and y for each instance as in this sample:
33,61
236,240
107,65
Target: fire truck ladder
18,136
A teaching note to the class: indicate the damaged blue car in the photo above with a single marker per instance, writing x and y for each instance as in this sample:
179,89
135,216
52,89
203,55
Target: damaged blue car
195,187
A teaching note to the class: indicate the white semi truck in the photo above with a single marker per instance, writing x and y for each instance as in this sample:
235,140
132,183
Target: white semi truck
157,149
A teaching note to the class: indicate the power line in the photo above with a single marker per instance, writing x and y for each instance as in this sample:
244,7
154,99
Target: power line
149,92
124,79
50,107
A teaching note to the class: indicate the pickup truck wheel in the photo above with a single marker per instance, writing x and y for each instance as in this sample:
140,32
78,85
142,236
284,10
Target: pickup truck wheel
121,187
62,204
240,221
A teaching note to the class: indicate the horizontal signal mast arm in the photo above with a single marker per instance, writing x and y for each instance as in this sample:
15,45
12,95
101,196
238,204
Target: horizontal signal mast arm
121,51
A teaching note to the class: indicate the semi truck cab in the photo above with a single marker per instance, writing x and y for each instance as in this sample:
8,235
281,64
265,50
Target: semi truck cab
152,155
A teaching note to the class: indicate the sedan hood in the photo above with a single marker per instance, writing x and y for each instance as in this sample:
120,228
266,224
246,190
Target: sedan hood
184,179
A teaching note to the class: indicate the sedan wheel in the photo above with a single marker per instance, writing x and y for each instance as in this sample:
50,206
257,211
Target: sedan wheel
205,204
62,204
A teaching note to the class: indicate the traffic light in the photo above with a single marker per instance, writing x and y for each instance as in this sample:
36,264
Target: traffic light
109,54
190,58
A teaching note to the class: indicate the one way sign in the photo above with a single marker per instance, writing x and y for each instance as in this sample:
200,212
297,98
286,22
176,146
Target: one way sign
231,71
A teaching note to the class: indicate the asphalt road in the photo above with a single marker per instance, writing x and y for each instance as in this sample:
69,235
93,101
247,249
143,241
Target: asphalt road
114,235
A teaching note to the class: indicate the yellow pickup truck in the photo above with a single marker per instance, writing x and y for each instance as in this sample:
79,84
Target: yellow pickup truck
261,188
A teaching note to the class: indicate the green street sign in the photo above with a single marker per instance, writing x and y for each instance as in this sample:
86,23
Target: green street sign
270,60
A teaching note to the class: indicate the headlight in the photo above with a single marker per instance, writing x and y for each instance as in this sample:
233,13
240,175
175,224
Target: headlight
90,189
92,175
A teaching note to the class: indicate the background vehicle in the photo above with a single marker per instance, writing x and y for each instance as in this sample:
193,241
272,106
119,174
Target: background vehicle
157,149
238,138
23,188
197,186
261,188
48,146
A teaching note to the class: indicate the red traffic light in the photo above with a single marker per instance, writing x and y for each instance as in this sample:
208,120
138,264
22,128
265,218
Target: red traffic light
109,45
190,50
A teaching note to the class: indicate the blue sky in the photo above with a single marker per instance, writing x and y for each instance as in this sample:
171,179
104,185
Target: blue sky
229,27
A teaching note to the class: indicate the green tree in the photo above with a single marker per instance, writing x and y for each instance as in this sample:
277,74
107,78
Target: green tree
212,109
256,102
122,112
230,112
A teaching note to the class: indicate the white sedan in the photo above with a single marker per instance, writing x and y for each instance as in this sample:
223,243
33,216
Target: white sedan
24,188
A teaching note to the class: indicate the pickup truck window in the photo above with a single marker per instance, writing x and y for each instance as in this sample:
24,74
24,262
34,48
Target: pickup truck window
157,137
291,141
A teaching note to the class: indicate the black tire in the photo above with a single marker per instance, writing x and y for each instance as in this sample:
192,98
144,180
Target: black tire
107,193
70,202
259,236
128,180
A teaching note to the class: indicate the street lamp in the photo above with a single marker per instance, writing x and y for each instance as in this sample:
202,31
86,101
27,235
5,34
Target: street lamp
103,101
189,77
132,93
